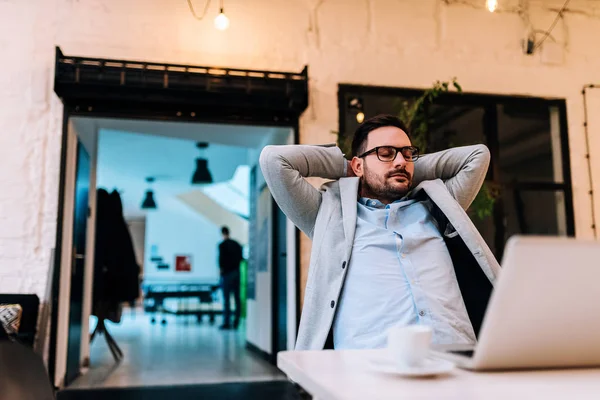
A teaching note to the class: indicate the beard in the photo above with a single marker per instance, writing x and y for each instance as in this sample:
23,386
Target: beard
384,188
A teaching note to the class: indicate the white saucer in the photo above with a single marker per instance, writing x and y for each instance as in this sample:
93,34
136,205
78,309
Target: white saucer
427,369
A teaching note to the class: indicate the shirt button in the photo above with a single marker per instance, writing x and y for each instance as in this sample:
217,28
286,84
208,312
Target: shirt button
421,313
332,303
344,265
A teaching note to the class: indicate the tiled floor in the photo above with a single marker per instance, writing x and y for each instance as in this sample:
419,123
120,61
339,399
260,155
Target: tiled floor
180,353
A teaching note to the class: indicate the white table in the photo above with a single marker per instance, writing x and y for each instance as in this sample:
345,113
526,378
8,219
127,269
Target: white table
345,375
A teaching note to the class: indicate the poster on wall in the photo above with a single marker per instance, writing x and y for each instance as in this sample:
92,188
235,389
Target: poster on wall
251,267
183,263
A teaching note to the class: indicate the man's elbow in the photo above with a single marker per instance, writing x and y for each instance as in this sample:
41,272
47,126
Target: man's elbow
483,150
266,156
482,153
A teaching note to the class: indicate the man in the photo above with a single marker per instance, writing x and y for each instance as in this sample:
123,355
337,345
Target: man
392,243
230,257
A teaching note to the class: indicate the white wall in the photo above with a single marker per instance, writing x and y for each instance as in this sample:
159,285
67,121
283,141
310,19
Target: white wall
137,228
384,42
176,229
216,212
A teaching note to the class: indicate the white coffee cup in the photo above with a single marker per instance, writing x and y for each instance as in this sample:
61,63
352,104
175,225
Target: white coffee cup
409,345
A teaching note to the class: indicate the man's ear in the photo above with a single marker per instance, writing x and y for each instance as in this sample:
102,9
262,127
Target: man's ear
357,166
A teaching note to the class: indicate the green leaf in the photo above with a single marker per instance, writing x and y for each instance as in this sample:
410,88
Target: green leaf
457,86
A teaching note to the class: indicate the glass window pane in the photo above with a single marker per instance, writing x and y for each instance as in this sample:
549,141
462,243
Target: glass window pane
526,212
455,125
529,143
535,212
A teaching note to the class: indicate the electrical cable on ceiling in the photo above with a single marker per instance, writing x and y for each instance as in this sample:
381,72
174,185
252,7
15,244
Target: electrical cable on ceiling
199,18
480,5
558,16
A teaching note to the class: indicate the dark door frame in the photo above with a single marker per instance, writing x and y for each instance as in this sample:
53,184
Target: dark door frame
102,88
78,261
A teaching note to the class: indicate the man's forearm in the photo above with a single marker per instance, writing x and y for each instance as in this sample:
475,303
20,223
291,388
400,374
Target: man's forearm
325,161
463,170
447,164
284,169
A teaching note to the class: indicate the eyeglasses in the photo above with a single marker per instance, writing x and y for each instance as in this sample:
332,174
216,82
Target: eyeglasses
389,153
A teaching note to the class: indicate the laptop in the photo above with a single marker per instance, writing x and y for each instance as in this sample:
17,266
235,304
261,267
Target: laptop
544,311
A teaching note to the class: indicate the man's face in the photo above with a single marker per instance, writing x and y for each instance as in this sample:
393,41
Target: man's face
384,181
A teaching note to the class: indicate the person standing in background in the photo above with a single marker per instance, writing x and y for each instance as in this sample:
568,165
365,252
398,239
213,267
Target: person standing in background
230,257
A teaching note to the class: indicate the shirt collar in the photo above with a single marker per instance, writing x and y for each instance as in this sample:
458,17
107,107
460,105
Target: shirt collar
371,202
374,203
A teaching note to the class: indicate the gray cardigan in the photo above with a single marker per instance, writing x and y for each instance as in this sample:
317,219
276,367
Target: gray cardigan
450,178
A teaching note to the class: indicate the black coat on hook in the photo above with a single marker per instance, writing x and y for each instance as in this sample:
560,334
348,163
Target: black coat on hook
116,271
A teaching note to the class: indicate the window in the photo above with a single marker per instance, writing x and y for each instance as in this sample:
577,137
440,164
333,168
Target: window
527,138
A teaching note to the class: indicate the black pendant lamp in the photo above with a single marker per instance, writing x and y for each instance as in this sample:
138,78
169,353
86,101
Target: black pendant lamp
149,203
202,173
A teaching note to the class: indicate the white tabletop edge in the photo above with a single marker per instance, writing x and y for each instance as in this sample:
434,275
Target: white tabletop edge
300,367
286,363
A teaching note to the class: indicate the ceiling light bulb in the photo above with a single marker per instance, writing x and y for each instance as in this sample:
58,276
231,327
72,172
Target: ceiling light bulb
491,5
360,117
221,21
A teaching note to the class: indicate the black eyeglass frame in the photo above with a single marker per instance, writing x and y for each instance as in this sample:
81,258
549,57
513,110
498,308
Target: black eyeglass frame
396,149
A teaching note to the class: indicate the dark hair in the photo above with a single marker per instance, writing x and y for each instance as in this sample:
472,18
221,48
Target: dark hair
359,141
225,230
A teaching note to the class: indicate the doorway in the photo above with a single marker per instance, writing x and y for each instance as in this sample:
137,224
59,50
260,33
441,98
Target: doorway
175,322
222,105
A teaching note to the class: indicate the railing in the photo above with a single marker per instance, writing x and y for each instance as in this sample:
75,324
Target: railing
73,72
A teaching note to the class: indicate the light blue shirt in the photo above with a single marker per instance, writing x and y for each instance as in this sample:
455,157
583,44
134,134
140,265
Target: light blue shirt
400,273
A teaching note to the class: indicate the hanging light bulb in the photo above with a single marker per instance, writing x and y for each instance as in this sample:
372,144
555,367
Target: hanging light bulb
202,174
148,202
360,117
491,5
221,21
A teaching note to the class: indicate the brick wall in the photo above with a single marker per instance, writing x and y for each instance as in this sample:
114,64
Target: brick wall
408,43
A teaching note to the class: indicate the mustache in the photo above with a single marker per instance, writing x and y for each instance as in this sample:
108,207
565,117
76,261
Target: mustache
399,172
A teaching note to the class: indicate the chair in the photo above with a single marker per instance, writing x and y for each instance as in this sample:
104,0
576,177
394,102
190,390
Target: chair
30,305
